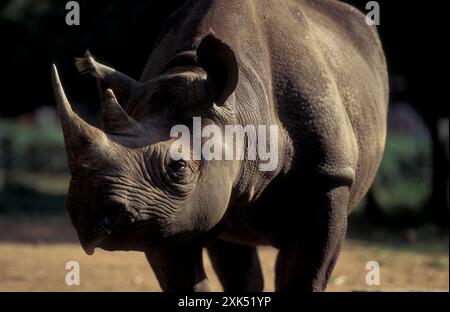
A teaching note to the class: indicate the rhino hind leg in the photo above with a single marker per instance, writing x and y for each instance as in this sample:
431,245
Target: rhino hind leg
237,266
308,255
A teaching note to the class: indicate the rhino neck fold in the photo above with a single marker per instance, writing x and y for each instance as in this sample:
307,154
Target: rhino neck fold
253,106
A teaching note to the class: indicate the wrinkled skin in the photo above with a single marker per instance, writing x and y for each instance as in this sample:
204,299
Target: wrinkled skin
130,194
318,73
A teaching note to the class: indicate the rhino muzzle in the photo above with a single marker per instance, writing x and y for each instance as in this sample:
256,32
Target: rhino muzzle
85,145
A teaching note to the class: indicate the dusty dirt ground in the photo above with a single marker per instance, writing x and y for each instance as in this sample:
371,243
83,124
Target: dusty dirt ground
33,258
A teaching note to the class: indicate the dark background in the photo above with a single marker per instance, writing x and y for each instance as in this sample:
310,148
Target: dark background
123,33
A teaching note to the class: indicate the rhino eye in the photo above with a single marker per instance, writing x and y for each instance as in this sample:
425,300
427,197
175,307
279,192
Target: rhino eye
178,167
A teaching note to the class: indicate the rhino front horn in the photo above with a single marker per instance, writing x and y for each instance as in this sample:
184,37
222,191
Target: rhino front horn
78,134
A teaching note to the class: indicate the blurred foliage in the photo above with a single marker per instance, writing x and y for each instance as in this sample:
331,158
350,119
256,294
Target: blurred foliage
32,149
38,173
33,169
444,134
19,199
405,174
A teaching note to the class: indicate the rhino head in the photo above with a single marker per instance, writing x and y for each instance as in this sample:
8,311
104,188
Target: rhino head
126,192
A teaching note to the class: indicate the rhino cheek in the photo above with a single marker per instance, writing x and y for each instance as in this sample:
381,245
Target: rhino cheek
211,201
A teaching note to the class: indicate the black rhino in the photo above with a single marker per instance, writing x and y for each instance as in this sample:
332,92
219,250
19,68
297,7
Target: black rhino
314,68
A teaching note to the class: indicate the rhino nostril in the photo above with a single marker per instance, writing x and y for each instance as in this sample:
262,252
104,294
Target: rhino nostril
107,223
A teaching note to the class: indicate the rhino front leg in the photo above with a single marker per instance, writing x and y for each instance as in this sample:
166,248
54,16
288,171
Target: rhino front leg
306,260
237,266
179,269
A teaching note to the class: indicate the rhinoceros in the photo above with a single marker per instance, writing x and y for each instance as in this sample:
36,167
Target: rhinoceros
314,68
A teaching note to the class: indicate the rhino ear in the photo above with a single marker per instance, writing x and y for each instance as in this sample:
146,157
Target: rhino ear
107,78
219,61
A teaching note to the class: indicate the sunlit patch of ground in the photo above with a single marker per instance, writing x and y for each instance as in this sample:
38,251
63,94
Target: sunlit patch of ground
27,265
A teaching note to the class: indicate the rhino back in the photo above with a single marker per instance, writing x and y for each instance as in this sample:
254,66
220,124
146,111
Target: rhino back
322,70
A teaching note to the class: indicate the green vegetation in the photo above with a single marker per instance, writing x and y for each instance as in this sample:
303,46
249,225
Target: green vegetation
403,182
33,169
34,174
25,148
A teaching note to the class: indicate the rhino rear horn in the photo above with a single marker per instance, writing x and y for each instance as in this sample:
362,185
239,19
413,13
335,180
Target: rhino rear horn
107,78
78,134
115,119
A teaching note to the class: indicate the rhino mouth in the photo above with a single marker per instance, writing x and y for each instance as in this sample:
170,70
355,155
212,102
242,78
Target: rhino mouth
109,230
89,245
125,230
